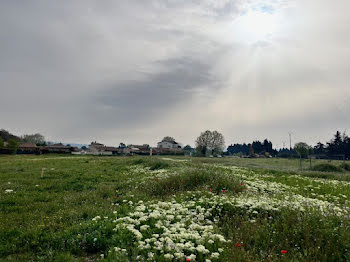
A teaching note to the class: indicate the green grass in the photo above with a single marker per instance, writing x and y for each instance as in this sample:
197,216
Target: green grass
194,179
325,167
50,218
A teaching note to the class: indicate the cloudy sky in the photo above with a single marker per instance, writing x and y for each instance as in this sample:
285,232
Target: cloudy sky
136,70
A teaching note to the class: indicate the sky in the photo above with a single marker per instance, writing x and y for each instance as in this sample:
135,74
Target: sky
134,71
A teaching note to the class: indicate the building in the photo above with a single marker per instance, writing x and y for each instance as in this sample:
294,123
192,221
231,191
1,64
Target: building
100,149
140,149
28,148
169,145
58,149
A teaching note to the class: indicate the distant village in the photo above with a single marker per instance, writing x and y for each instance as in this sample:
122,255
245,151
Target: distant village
208,143
164,147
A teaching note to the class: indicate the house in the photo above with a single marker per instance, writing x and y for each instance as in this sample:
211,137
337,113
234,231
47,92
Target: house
96,147
140,149
100,149
58,148
28,148
168,151
169,144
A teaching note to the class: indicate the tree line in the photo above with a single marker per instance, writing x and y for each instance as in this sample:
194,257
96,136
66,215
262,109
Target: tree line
337,147
257,147
13,142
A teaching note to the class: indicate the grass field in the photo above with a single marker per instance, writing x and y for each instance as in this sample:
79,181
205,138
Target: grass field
171,209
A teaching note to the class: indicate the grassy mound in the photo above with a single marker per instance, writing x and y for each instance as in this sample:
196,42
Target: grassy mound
327,168
193,180
346,166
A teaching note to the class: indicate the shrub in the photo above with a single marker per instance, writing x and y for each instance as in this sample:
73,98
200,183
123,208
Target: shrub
327,168
346,166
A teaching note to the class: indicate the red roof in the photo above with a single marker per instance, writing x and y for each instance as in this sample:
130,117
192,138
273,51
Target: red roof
27,145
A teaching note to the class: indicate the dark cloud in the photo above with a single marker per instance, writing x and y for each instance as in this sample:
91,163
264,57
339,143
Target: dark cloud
140,102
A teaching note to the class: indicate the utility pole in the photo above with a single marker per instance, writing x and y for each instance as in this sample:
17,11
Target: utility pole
290,141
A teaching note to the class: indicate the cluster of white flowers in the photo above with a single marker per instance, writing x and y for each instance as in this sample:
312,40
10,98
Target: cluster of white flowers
264,193
173,230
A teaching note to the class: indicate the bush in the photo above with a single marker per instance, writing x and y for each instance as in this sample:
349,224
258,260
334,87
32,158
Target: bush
327,168
346,166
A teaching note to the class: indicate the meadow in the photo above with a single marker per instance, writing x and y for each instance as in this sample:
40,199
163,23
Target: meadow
86,208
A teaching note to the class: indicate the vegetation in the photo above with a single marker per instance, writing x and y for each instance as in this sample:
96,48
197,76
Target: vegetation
210,142
6,136
327,168
36,139
171,209
346,166
13,145
257,147
168,139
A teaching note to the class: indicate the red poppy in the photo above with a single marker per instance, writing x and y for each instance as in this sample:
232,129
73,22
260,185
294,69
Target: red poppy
242,184
238,245
188,259
116,197
223,191
182,181
210,189
284,251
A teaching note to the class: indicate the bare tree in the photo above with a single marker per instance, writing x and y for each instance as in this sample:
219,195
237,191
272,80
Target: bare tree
210,141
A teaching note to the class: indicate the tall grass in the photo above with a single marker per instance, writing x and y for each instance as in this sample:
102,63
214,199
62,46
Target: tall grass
194,179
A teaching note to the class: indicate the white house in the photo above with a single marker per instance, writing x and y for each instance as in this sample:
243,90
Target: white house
168,144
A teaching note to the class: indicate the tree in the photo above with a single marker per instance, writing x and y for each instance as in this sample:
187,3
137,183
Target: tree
210,142
6,136
302,150
319,149
267,146
1,143
251,151
257,147
168,139
188,148
37,139
13,145
84,147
